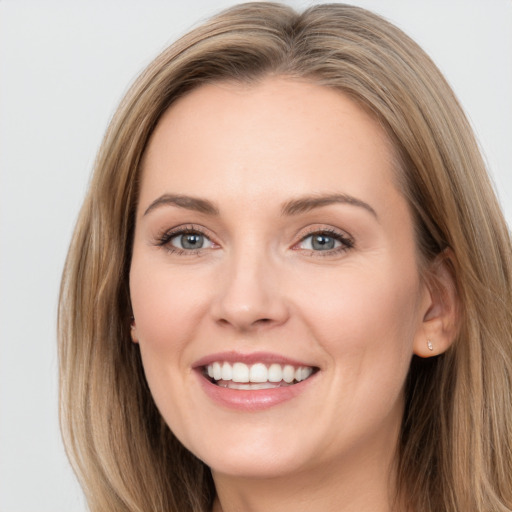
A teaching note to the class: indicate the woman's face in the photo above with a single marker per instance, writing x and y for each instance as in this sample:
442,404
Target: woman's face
274,252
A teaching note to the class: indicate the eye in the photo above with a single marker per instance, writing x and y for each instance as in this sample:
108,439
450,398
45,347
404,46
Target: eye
320,242
184,240
190,240
325,241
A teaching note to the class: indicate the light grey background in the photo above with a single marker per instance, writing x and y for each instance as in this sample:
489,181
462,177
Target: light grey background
63,68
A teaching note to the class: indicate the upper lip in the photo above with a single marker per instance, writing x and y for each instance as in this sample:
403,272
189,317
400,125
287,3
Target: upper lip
249,358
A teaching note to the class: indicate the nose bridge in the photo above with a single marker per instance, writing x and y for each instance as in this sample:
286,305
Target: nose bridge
250,294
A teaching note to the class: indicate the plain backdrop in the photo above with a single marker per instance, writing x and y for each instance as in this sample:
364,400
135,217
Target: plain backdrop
64,66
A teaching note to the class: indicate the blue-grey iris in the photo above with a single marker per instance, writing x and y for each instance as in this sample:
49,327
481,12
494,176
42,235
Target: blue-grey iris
322,242
192,241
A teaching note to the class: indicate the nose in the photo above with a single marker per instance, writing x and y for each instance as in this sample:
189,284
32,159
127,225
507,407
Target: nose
250,295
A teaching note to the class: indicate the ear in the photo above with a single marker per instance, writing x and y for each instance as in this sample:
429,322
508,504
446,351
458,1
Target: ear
440,324
133,331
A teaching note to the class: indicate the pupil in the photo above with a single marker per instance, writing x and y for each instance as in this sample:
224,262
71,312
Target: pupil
323,242
191,241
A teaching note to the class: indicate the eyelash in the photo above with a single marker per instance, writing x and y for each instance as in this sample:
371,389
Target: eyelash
346,242
164,239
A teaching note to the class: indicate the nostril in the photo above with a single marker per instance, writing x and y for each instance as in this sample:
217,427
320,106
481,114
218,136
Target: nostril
255,323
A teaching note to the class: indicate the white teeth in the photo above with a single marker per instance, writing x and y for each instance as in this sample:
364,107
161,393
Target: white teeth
306,372
256,374
259,373
240,373
249,385
227,371
288,373
217,371
275,373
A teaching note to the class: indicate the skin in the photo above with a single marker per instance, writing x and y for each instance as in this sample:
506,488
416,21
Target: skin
357,314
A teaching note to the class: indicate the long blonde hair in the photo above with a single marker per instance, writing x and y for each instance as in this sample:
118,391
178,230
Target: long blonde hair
455,448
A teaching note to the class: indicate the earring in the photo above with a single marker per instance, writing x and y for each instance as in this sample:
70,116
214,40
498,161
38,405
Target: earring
429,345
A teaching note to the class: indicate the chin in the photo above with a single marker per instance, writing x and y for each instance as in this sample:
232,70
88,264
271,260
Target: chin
255,468
253,455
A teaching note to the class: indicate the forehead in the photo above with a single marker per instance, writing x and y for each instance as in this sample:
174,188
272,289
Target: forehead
280,132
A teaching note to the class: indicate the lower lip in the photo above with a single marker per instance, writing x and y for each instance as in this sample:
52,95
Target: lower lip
253,400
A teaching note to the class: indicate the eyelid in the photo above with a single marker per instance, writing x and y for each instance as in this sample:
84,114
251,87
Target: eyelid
346,241
177,236
164,237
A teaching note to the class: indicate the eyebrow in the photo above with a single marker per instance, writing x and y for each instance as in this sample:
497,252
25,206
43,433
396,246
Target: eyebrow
307,203
187,202
292,207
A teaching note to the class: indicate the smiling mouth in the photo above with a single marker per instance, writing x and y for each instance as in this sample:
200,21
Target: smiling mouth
256,376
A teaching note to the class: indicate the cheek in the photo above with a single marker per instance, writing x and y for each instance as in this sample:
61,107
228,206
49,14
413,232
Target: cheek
366,319
167,309
167,306
367,327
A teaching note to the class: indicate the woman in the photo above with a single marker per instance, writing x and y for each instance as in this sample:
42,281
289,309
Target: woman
290,283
